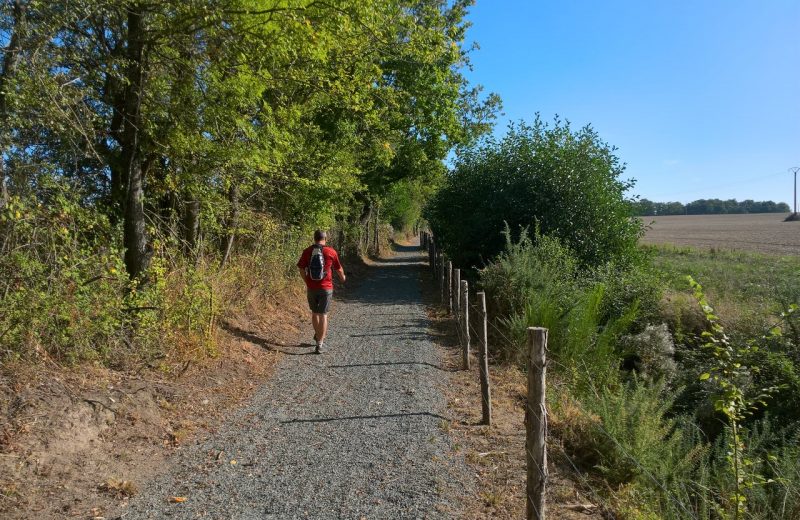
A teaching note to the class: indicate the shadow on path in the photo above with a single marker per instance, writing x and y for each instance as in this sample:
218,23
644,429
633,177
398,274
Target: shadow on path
365,417
266,344
396,363
390,281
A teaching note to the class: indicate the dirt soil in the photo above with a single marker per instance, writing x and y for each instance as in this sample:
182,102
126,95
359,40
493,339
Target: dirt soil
765,232
78,442
496,453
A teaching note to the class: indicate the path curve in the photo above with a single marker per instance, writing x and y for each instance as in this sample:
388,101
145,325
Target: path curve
358,432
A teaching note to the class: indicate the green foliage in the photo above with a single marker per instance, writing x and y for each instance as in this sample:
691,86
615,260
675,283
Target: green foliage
65,295
636,440
730,373
563,181
272,120
538,283
403,204
634,428
773,454
525,268
61,279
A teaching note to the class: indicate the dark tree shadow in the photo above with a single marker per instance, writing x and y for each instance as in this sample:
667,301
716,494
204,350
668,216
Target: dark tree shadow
365,417
266,344
396,363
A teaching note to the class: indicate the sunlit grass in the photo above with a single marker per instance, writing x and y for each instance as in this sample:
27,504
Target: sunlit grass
746,286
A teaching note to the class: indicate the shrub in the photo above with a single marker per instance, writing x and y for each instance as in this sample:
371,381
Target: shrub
64,293
566,182
774,456
628,284
61,279
546,269
403,204
626,435
654,352
537,283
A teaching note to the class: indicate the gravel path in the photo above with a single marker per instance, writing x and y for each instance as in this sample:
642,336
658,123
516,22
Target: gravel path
354,433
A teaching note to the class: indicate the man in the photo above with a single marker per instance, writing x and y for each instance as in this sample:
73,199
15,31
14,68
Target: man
316,266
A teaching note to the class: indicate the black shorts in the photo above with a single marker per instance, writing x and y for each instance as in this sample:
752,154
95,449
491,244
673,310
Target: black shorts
319,300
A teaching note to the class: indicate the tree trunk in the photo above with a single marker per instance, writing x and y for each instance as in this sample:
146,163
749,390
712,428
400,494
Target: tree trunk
10,63
233,222
135,236
114,96
191,225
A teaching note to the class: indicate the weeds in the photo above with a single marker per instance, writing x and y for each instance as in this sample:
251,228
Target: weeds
655,398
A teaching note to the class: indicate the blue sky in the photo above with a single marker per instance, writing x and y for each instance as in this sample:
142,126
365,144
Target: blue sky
702,98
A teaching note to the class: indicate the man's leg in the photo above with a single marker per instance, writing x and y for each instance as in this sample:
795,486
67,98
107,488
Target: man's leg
316,322
323,326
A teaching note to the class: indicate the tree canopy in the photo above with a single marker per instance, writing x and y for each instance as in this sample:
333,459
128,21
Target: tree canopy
169,116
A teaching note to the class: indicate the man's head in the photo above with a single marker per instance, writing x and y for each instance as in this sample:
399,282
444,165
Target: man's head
320,237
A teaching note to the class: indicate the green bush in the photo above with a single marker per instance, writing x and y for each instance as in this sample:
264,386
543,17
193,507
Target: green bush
402,206
566,182
61,279
64,293
546,269
627,435
773,455
628,284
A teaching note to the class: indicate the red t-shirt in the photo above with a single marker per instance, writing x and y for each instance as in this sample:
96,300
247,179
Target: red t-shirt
331,264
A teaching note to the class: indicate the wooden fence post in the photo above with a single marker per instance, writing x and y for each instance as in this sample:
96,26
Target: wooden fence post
449,287
464,306
454,292
536,425
443,281
483,358
432,257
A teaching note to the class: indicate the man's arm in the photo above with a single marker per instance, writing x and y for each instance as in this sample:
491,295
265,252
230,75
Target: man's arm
337,266
302,265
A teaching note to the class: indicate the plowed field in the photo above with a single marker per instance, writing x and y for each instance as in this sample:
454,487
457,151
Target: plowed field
766,232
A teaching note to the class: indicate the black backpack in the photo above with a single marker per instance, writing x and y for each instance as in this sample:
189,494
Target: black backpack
316,265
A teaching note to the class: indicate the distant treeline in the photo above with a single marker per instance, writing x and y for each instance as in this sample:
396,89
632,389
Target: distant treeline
647,208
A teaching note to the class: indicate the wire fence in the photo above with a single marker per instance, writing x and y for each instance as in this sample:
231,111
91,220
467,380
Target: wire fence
450,298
